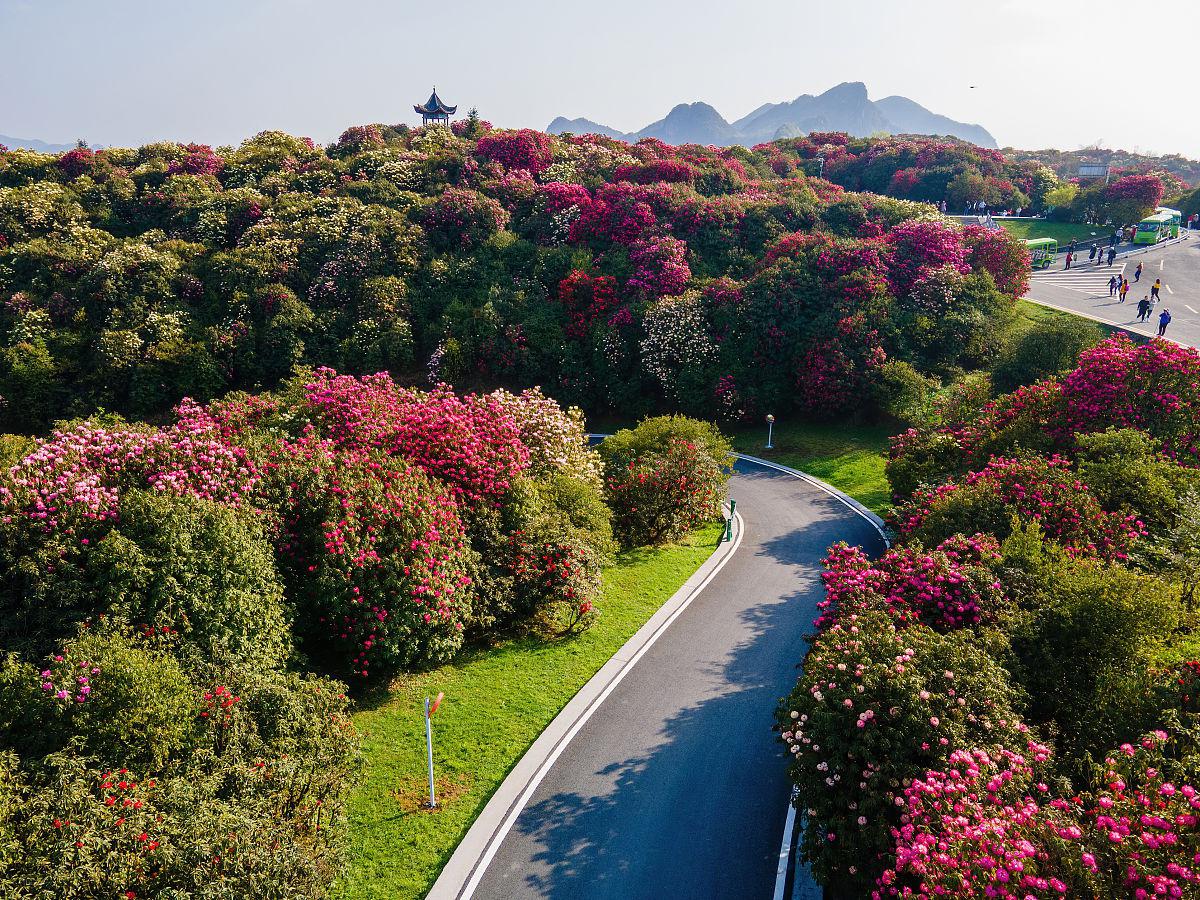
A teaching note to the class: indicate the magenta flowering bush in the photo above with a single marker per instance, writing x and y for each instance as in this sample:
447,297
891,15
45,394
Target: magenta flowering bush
1033,489
876,708
952,586
1001,256
919,246
986,826
1153,387
659,267
460,219
522,149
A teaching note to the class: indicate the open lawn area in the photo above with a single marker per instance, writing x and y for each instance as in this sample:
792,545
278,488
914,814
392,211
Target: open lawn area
498,700
849,457
1063,232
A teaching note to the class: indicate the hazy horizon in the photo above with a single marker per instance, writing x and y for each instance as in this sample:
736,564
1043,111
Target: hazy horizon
132,71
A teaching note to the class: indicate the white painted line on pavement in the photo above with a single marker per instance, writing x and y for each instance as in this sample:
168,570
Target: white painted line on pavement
1168,287
544,769
1190,309
785,850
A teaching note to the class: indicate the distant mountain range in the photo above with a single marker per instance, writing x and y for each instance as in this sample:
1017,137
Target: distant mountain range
12,143
846,107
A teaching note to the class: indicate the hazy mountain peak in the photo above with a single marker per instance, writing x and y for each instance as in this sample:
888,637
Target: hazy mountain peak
844,107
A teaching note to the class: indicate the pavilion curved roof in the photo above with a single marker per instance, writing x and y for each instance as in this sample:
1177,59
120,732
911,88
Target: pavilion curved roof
435,107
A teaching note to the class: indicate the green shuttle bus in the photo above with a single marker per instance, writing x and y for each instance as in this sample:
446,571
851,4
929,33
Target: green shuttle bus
1161,226
1041,252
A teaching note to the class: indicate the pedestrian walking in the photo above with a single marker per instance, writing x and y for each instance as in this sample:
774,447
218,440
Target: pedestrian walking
1155,288
1070,258
1124,289
1144,309
1112,286
1112,254
1164,319
1092,253
1137,273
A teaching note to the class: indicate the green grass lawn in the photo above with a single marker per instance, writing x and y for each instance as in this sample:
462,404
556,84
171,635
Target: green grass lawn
498,700
1063,232
849,457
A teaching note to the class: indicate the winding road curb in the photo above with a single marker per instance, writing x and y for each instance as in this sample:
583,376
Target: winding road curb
470,859
467,865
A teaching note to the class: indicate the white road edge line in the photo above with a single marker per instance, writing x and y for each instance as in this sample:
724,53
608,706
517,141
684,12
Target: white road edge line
1083,315
1168,287
1190,309
785,851
544,769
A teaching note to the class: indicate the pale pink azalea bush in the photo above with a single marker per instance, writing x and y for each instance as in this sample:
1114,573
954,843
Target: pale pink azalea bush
877,707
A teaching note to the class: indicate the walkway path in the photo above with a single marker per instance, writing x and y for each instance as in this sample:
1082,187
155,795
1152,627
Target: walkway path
1083,290
676,786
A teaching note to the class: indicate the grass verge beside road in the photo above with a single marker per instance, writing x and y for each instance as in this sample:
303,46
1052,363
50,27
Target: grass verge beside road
498,700
849,457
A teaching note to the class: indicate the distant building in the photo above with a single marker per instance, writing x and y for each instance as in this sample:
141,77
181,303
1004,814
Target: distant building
434,110
1094,171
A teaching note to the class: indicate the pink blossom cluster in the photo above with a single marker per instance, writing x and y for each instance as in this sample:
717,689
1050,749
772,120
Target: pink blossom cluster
1154,387
948,587
918,246
521,149
1044,490
660,267
471,443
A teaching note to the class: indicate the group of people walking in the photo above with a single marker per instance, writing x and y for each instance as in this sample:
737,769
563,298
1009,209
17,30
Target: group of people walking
1096,254
1119,287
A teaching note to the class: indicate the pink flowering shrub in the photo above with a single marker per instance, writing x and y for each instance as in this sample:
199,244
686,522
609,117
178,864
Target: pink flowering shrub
659,267
556,581
1034,489
918,246
471,443
668,170
1153,387
461,219
587,300
876,708
522,149
985,826
945,588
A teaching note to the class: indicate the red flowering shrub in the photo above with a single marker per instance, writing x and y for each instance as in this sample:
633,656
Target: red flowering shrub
522,149
587,299
373,556
556,582
1001,256
664,478
199,159
471,443
620,213
1036,489
1133,197
668,170
945,588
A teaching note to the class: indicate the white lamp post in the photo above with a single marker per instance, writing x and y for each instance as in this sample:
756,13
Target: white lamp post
770,431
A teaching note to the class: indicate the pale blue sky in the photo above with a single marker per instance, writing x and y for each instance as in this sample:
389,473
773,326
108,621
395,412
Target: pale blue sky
129,71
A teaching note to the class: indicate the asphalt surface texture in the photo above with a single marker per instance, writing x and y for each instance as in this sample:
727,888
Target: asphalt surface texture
1084,288
677,785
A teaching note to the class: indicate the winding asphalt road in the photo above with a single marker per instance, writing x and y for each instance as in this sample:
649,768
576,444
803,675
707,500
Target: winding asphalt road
676,785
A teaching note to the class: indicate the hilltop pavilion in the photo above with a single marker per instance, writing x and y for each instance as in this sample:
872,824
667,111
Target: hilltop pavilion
434,110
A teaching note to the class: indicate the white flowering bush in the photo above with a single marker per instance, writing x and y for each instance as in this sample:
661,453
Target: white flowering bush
677,347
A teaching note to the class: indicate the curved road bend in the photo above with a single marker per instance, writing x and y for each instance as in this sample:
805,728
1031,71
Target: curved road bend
676,786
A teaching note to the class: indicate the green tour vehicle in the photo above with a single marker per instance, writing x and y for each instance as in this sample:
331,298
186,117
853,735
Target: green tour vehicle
1041,251
1161,226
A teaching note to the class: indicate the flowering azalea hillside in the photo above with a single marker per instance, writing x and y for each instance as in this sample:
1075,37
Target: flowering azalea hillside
484,258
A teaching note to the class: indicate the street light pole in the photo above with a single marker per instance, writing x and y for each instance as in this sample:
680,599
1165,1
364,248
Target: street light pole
430,709
770,431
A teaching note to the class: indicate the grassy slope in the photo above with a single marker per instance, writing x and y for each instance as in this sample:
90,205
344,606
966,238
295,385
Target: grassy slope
1063,232
850,457
497,702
